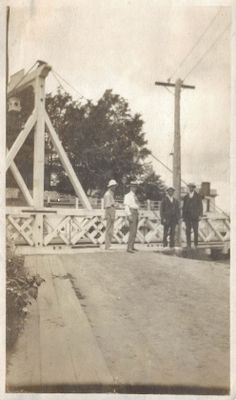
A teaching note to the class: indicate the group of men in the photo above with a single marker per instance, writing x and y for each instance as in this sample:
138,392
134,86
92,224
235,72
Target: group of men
169,212
191,213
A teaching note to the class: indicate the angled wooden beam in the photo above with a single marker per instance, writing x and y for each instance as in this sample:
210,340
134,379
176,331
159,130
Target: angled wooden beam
67,165
20,139
21,183
29,79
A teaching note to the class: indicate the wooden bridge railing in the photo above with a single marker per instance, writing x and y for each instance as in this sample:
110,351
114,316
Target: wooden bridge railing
40,228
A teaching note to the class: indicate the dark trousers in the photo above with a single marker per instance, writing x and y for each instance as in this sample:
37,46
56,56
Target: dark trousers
110,218
191,224
169,230
133,226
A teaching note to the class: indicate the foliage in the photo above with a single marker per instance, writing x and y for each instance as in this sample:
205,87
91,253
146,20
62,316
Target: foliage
152,187
14,123
21,289
103,140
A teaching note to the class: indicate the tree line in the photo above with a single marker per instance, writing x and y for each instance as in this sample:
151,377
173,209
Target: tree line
103,140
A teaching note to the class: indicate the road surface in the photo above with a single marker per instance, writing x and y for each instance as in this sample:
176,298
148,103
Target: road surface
131,323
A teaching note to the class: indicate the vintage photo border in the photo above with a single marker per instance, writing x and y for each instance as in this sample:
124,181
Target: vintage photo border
63,396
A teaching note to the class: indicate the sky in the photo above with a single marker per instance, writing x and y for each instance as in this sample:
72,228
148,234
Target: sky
127,45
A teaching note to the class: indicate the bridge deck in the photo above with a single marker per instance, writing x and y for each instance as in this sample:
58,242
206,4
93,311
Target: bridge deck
145,323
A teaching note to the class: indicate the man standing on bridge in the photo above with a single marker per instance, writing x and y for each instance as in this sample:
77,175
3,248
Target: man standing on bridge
131,208
170,214
110,212
192,211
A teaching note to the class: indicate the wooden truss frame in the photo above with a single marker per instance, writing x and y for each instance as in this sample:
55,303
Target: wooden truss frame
39,119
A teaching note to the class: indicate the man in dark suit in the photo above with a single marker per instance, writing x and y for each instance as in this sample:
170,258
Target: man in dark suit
169,212
192,211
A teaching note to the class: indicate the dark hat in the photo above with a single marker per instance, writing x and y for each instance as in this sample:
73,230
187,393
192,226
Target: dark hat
170,188
191,184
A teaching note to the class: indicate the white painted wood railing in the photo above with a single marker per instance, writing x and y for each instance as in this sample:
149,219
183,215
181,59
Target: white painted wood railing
49,226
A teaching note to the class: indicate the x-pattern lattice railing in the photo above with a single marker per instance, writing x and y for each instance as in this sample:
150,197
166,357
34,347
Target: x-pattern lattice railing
70,228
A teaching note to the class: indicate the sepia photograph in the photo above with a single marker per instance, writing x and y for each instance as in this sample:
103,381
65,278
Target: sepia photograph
117,197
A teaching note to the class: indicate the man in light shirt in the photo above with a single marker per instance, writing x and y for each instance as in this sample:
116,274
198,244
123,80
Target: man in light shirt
110,212
131,209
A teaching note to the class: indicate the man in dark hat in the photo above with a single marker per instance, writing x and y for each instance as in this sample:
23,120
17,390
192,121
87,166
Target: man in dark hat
131,208
170,214
192,211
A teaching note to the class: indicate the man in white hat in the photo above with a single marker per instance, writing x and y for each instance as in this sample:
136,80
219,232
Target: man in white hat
131,208
110,212
170,214
192,211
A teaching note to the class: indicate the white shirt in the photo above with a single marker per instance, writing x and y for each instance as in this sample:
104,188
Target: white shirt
191,194
171,198
109,200
130,201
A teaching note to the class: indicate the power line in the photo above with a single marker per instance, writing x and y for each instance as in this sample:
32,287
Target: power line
59,82
56,75
169,90
166,167
72,87
196,44
170,170
207,51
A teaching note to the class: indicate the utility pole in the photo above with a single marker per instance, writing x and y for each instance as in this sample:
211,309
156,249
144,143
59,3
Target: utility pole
7,46
178,85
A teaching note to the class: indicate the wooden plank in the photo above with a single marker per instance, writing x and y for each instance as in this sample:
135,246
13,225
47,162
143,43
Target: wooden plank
39,144
88,361
38,230
56,364
67,165
24,364
20,139
21,183
29,79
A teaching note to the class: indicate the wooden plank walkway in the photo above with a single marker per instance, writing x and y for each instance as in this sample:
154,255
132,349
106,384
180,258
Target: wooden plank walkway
131,323
61,348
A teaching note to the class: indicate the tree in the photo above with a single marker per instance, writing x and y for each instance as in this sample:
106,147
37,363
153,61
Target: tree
102,140
152,186
14,123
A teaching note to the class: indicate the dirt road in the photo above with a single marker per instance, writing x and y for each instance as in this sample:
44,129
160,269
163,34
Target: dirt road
160,323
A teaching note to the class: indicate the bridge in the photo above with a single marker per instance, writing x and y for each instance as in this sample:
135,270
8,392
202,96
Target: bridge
52,229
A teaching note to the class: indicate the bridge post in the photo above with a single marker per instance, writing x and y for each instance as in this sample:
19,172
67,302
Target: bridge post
39,143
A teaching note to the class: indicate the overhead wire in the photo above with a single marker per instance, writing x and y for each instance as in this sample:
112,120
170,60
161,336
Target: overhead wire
168,90
207,51
196,43
182,180
68,84
151,154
